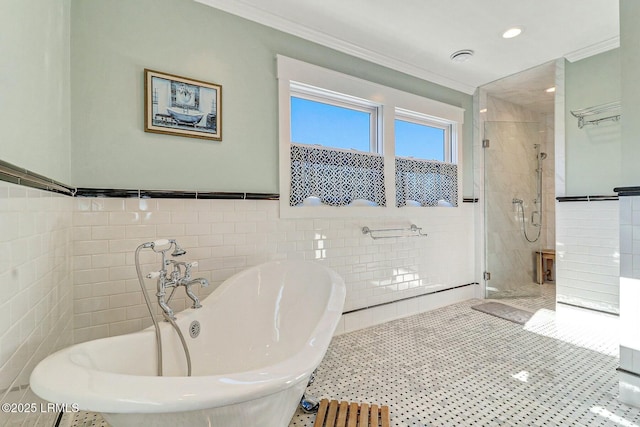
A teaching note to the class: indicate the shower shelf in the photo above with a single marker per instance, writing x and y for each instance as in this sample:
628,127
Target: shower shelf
611,107
412,228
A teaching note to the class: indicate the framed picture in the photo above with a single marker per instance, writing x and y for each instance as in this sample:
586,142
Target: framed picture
177,105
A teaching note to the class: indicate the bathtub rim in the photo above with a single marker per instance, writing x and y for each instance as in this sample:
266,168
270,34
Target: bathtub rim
142,393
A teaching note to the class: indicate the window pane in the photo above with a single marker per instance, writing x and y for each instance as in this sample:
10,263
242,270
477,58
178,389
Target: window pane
419,141
315,122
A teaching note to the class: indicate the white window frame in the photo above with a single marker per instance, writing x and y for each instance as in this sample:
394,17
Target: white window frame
294,74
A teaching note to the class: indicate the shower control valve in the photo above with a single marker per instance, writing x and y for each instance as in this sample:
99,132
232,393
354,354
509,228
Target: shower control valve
153,275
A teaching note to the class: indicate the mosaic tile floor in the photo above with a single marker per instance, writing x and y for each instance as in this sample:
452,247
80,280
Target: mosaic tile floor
459,367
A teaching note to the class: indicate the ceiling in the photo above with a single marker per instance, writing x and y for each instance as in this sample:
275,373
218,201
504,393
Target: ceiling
417,37
527,88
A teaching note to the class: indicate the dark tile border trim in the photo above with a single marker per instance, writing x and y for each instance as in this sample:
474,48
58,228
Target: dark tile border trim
624,371
596,198
262,196
97,192
627,191
15,175
408,298
469,200
167,194
220,195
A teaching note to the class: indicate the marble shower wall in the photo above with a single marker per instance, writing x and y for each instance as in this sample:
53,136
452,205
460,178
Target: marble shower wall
548,184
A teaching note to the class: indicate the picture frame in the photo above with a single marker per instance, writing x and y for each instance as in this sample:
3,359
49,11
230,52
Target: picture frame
176,105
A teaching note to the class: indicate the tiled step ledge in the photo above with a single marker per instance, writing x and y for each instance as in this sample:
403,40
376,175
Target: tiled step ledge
364,318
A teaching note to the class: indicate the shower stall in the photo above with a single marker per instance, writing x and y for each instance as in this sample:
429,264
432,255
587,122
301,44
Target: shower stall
515,173
514,203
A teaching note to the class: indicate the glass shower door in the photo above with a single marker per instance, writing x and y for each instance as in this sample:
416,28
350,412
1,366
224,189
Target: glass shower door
512,209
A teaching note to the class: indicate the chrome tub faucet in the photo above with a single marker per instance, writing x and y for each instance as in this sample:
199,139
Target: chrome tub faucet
180,275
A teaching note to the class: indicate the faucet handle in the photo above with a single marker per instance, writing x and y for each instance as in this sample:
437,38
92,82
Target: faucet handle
153,275
193,264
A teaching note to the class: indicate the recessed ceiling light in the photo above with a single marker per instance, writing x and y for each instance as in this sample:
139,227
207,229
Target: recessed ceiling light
550,90
461,55
512,32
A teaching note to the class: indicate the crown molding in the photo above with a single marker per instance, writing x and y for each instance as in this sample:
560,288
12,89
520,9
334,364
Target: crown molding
594,49
269,19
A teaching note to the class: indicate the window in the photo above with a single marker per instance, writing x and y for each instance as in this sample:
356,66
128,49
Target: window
334,144
419,141
320,117
425,175
351,147
422,137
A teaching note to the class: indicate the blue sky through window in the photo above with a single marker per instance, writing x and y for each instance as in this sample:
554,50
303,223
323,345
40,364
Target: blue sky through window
419,141
315,122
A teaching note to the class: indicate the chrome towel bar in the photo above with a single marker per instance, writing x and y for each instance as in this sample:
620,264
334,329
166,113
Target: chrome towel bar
412,228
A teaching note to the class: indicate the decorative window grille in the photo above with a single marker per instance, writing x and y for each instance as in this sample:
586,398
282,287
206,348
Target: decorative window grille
426,182
337,177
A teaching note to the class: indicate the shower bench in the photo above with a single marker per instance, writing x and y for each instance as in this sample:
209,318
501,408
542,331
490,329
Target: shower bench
545,265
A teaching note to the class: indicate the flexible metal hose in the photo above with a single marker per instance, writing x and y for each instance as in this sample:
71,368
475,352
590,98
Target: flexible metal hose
184,343
153,318
147,300
524,227
538,201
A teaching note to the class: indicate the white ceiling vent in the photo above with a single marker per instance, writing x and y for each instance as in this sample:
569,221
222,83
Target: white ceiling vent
462,55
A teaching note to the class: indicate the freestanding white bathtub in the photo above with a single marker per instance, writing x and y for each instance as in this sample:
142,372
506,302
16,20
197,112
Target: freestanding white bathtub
263,332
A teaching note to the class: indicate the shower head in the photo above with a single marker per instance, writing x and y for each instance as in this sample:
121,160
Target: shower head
542,156
178,251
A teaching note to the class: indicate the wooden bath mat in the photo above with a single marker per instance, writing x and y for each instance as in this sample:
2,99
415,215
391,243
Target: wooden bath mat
344,414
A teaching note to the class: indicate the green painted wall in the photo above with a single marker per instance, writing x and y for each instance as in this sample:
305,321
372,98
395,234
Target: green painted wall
34,77
593,153
630,70
113,41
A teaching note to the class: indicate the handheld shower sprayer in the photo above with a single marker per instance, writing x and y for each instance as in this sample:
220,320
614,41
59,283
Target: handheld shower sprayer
158,246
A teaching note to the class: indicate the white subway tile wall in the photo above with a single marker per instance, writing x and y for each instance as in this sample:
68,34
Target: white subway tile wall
227,236
630,236
36,310
629,299
588,251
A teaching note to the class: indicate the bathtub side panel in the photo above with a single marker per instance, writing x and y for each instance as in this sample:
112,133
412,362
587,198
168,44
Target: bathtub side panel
275,410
